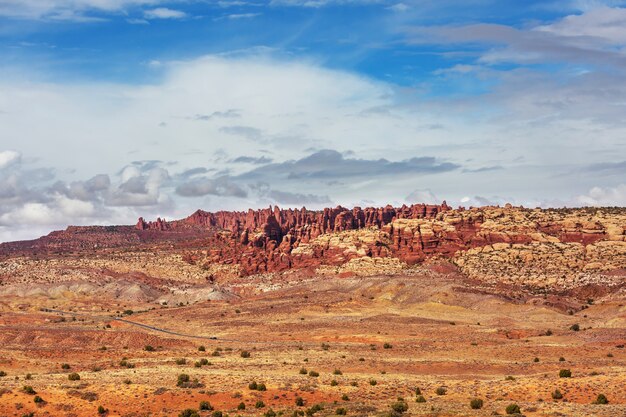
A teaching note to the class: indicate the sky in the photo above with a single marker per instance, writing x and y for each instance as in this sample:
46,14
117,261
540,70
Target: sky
115,109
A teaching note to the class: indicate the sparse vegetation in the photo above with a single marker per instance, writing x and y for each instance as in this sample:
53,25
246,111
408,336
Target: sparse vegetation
601,399
189,412
245,354
29,390
73,377
441,391
149,348
205,406
513,409
476,404
259,404
565,373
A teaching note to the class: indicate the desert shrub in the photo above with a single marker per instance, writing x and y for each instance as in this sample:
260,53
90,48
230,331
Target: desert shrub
38,400
2,373
312,410
400,407
387,346
556,395
565,373
303,371
536,360
441,391
420,399
125,364
181,361
204,361
325,346
102,410
201,348
314,374
65,366
373,382
509,378
28,377
245,354
197,364
215,353
334,383
513,409
261,387
418,391
252,385
127,381
189,412
575,327
270,413
337,372
561,359
345,397
354,384
29,390
31,414
182,380
259,404
299,401
341,411
128,312
149,348
241,406
601,399
73,377
205,406
476,404
548,332
216,414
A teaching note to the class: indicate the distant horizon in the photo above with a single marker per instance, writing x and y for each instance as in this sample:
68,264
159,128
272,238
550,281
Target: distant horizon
131,223
115,109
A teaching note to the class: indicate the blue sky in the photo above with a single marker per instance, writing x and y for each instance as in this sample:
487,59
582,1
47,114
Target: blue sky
114,109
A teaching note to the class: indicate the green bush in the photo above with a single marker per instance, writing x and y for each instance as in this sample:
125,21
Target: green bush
314,374
65,366
387,346
270,413
204,361
182,380
513,409
189,412
252,385
29,390
441,391
476,404
420,399
38,399
575,327
341,411
299,401
202,348
149,348
400,407
334,383
2,373
102,410
259,404
303,371
337,372
373,382
601,399
205,406
245,354
418,391
241,406
181,361
565,373
73,377
261,387
216,414
556,395
345,397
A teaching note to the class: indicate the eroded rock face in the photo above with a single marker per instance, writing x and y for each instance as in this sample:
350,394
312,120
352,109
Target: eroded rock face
492,244
527,246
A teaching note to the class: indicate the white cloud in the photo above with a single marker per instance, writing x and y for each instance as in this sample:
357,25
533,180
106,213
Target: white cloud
8,158
164,13
66,9
399,7
604,196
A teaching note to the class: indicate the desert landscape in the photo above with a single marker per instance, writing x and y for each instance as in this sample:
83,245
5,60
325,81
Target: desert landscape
420,310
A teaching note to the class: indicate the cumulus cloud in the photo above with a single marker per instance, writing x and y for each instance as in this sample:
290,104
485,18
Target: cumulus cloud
8,158
604,196
261,160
